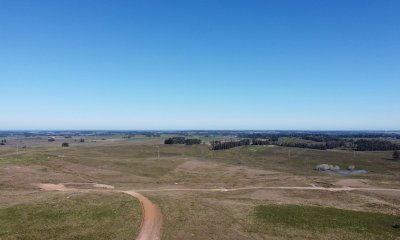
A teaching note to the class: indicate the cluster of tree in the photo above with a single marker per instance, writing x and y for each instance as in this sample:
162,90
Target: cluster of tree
396,155
359,145
328,141
320,146
3,142
257,141
82,140
175,140
324,144
192,141
320,142
336,144
366,135
270,137
375,145
182,140
218,145
65,144
320,138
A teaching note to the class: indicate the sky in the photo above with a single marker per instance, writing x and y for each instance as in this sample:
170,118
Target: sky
201,64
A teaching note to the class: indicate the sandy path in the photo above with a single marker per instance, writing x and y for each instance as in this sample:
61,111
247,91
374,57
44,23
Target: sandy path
54,187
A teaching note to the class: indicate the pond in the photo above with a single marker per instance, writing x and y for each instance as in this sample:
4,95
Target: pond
345,172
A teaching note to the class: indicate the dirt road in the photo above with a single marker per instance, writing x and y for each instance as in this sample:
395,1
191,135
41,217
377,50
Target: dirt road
152,219
150,228
333,189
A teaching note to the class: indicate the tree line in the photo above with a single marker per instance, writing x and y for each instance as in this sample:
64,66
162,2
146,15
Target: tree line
182,140
358,145
219,145
375,145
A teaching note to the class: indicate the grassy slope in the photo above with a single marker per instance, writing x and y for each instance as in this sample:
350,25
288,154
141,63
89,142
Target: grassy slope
324,223
72,216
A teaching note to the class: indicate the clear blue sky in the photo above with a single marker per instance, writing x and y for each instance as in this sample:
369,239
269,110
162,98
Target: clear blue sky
79,64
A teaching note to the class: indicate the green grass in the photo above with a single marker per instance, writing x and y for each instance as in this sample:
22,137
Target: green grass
72,216
26,159
326,221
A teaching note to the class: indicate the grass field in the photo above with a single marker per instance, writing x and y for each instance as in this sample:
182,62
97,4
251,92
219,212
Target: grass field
296,221
71,216
133,164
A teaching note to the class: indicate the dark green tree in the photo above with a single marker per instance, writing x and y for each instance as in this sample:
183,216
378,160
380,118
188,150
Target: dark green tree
396,155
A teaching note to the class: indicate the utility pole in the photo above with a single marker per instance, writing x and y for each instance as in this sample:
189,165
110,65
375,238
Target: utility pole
158,151
17,146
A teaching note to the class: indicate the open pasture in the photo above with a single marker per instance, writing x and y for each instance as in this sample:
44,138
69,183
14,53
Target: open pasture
225,194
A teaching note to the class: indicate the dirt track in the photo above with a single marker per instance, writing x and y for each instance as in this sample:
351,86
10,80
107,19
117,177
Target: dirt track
340,189
152,218
150,228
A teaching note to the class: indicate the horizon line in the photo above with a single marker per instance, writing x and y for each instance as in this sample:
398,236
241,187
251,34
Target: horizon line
171,130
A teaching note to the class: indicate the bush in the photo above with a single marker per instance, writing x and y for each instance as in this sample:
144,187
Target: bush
65,144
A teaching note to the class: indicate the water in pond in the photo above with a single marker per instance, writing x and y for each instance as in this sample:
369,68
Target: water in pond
345,172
